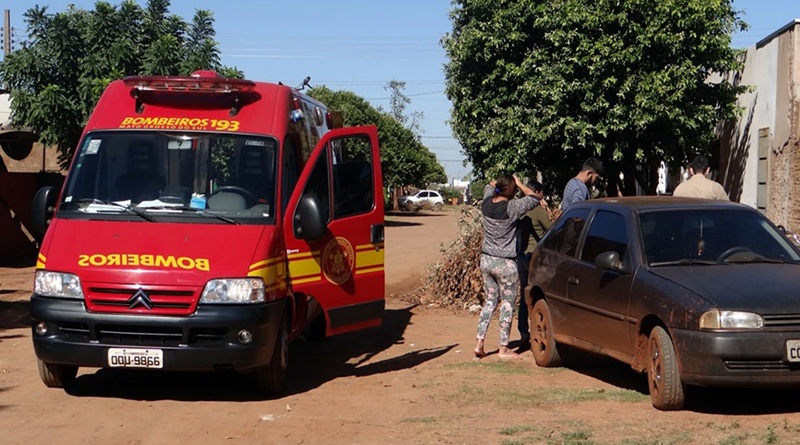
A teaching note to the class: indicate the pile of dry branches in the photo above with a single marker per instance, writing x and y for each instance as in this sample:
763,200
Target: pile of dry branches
455,282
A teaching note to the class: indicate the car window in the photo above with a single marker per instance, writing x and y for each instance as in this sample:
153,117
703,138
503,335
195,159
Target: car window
423,195
673,235
564,236
607,232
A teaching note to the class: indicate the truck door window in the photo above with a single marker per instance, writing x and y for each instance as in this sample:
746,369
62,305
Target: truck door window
352,177
318,184
290,170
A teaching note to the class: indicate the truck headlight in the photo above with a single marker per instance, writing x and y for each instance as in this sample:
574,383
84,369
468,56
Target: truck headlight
57,284
717,319
234,291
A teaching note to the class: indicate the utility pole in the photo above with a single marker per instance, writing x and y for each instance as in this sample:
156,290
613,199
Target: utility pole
6,33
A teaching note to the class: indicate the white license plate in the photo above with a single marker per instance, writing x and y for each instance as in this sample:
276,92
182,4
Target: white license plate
793,350
135,358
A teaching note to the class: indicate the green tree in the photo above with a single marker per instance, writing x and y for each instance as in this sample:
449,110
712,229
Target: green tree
57,76
404,159
542,85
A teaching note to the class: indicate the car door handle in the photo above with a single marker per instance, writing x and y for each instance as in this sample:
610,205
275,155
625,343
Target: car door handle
573,280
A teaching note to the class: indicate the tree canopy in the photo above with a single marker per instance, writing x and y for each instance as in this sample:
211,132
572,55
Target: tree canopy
541,85
57,76
404,159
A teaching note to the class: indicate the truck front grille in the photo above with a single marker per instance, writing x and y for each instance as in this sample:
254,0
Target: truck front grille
144,300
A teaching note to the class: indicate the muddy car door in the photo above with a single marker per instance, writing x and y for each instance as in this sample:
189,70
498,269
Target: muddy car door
600,296
333,229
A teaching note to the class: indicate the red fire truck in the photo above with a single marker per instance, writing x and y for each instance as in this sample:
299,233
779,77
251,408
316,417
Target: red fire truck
203,225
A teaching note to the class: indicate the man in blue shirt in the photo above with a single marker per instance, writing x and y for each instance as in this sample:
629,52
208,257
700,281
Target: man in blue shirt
577,188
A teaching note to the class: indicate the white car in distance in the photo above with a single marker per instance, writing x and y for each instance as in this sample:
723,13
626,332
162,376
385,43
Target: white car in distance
421,197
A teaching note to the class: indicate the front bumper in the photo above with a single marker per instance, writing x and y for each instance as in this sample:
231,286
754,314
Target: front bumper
736,359
205,341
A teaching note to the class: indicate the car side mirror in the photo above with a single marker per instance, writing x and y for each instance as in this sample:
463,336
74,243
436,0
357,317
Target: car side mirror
608,261
42,209
782,229
308,219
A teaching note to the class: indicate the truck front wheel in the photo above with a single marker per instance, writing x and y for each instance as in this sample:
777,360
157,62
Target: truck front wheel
270,379
56,376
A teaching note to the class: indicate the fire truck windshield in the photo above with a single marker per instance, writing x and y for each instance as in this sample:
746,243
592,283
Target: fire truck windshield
167,175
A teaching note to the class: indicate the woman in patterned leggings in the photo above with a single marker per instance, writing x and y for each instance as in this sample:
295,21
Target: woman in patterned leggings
501,211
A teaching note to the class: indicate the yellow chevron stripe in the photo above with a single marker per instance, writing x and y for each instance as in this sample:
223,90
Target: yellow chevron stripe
367,258
302,268
39,265
267,262
42,258
305,280
269,274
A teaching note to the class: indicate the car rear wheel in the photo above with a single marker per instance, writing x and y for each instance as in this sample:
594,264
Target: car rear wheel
270,379
666,390
437,206
543,345
56,376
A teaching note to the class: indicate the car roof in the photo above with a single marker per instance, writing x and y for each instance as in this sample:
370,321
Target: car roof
661,202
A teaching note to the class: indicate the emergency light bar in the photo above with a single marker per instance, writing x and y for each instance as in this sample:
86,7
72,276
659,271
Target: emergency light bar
189,84
202,82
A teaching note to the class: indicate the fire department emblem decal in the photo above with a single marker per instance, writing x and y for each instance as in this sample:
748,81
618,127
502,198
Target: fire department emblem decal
338,260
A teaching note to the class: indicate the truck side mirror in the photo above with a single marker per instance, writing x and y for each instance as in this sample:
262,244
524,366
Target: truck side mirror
43,208
308,220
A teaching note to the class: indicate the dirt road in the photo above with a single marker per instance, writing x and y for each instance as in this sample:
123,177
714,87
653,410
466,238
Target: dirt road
412,381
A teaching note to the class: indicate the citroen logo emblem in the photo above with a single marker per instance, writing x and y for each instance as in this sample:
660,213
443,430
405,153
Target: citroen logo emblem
140,298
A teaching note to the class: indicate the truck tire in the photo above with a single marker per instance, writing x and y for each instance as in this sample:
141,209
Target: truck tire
270,379
56,376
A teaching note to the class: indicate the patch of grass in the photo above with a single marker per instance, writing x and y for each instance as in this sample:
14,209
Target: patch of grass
682,437
723,427
520,441
544,396
497,367
514,430
734,439
426,419
789,427
772,437
577,437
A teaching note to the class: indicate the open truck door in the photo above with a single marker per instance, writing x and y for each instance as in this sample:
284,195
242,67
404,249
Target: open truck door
334,230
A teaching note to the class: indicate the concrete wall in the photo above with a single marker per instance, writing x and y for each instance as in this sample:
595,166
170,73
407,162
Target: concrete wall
771,108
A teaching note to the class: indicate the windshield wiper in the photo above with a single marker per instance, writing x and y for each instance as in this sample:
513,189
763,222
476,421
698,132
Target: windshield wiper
684,261
194,210
127,208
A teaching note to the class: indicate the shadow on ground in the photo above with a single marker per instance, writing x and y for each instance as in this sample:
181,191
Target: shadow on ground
14,314
311,364
736,401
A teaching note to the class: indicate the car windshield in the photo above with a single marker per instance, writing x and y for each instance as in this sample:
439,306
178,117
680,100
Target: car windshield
711,236
157,176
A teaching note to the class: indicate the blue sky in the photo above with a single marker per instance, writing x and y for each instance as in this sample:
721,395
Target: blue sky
362,45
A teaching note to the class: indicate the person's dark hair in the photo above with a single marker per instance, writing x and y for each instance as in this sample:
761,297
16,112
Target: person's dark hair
505,186
594,165
536,186
699,164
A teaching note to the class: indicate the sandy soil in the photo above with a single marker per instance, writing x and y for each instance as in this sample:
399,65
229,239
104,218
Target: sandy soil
411,381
